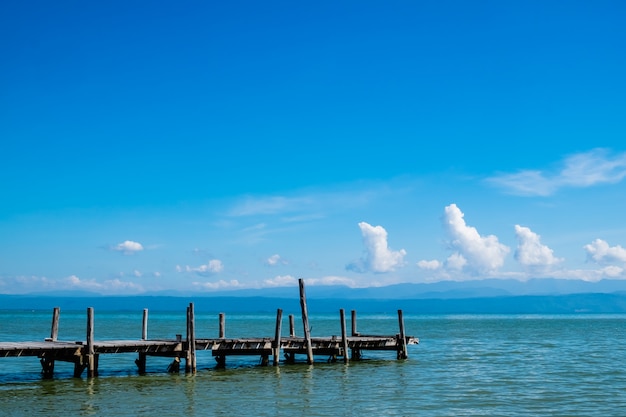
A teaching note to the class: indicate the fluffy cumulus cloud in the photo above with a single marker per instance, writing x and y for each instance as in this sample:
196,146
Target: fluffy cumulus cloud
474,253
600,252
586,169
128,247
378,257
214,266
531,253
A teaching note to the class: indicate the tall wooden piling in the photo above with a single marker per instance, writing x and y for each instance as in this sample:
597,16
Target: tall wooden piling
190,362
54,331
91,359
141,360
144,325
292,326
222,331
402,350
305,322
276,346
47,363
356,352
344,336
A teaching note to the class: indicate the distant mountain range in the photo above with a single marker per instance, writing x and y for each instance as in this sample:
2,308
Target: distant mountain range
492,296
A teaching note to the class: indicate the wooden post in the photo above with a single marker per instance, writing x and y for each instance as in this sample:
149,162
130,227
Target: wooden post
222,334
144,326
344,336
190,365
402,350
92,361
356,352
292,326
305,322
276,347
141,360
54,331
47,364
354,332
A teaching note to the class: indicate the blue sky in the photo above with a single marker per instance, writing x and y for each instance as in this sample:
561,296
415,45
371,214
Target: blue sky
152,146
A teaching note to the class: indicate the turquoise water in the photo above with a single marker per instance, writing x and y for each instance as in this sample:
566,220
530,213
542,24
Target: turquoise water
464,365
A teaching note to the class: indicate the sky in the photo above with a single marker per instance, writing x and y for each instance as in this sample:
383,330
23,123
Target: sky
200,146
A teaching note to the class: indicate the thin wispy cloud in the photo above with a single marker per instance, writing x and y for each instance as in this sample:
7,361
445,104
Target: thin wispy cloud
377,257
308,205
587,169
214,266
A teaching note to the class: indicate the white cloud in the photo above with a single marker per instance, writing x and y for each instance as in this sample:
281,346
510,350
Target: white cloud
221,284
430,265
275,260
600,252
128,247
456,262
280,281
580,170
531,253
476,253
214,266
332,280
378,257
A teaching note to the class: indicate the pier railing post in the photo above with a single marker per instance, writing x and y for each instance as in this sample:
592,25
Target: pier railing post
402,350
276,347
344,336
305,322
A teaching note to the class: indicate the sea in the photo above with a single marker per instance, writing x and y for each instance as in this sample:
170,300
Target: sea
464,365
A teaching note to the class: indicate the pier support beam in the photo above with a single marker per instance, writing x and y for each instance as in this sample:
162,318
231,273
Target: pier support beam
305,322
47,367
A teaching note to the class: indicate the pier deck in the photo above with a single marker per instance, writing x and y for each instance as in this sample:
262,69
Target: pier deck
85,354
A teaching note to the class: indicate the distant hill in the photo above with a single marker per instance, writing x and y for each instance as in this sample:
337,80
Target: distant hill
445,297
525,304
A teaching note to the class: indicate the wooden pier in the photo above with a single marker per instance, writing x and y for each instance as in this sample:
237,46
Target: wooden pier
85,354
